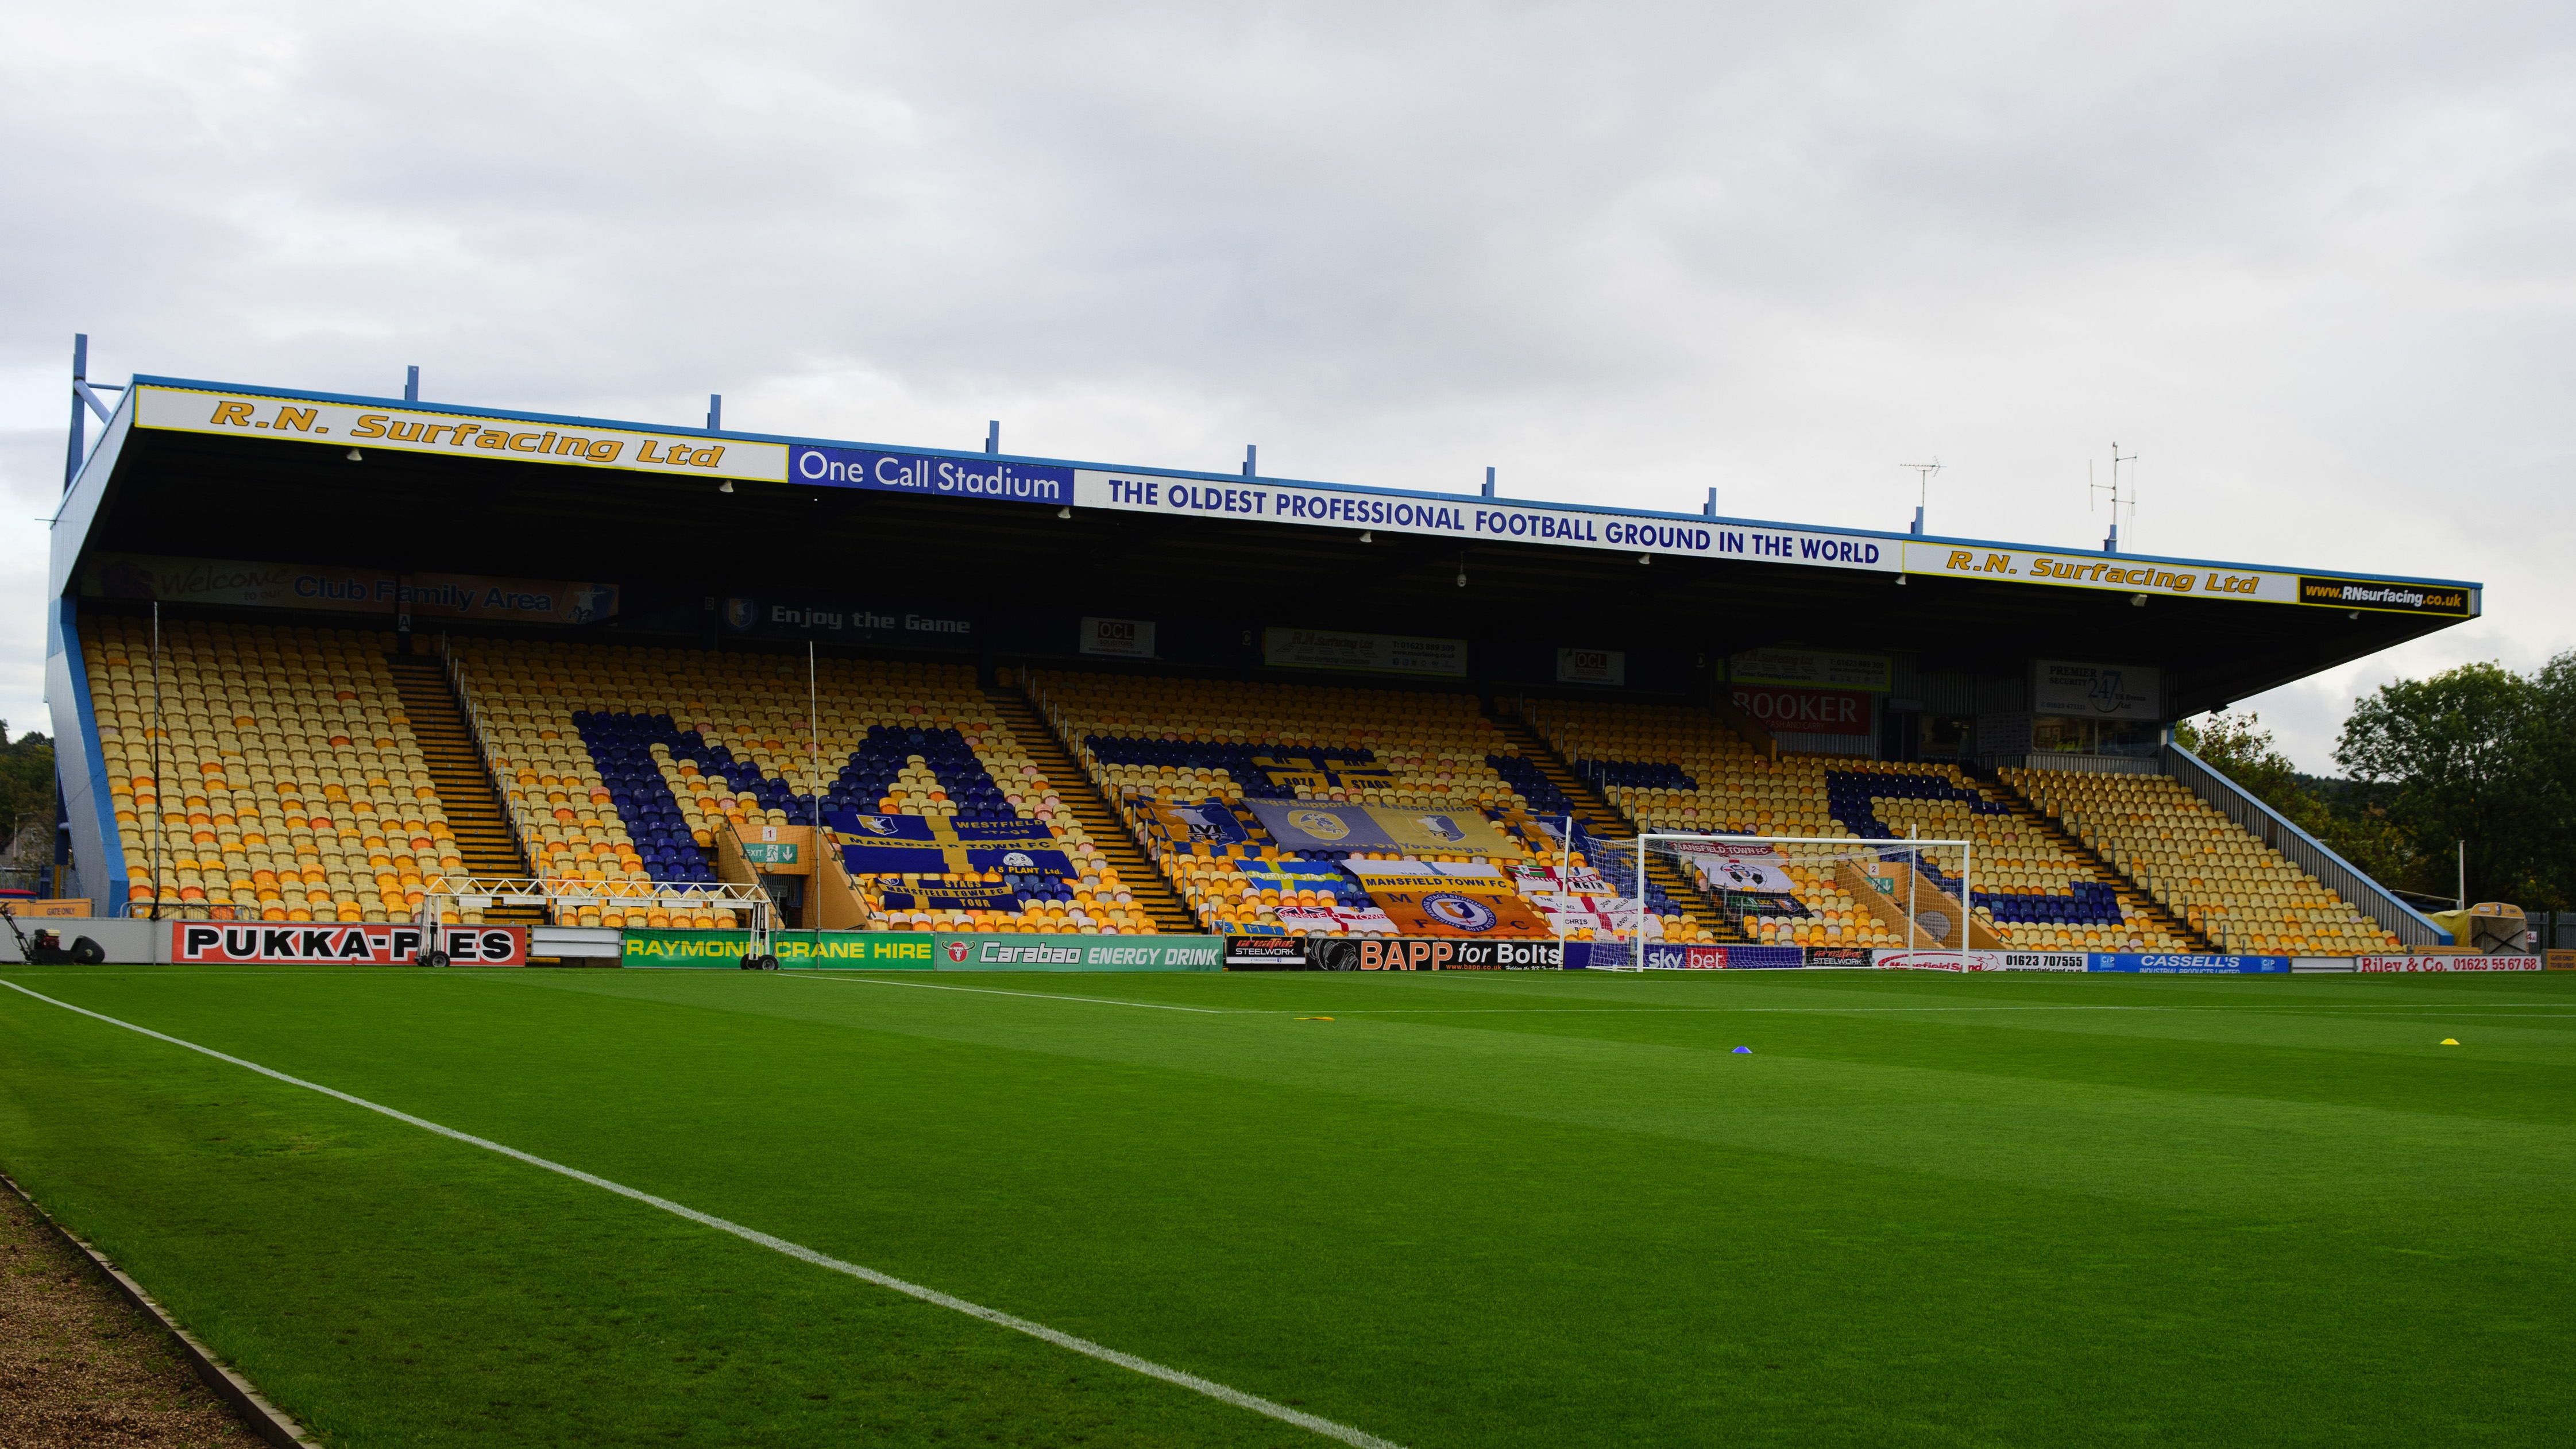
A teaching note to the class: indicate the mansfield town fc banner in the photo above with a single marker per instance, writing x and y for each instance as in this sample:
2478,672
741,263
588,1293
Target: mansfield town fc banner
937,845
1432,898
1304,825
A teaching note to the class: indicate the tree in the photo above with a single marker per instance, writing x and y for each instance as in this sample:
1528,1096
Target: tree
2473,760
2351,823
26,782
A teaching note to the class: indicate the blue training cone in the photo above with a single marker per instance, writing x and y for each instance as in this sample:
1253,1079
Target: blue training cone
1746,1051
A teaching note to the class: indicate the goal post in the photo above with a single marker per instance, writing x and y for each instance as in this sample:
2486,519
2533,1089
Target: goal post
1910,894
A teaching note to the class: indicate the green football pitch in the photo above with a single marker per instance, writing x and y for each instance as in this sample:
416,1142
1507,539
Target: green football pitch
1451,1210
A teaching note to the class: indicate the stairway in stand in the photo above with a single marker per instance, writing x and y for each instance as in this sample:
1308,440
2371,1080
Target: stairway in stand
2134,901
1602,819
464,783
1142,878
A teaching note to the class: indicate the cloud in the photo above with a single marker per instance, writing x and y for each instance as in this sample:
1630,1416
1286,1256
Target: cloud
2312,262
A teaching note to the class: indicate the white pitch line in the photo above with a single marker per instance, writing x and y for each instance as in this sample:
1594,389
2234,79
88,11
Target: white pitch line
1359,1438
997,991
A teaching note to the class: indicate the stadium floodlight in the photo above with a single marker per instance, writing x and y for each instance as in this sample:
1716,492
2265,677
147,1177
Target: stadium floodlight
1921,891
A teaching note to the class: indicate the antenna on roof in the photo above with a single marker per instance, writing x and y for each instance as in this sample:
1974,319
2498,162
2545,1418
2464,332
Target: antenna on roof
1923,484
715,412
411,383
2112,543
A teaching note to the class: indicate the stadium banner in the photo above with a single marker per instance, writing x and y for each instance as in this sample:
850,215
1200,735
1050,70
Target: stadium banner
247,943
1266,953
1720,865
953,895
1805,711
939,845
1460,908
1830,669
2103,691
1119,638
978,476
1479,520
848,621
242,584
1839,957
2080,570
1934,960
2447,963
414,428
803,950
2559,960
2321,963
1439,953
1591,666
1336,920
1307,825
1211,823
1657,957
1078,953
2451,601
1363,653
2152,965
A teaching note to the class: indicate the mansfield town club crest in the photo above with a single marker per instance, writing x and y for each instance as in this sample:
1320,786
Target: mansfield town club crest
956,950
1442,826
876,825
1459,913
1018,860
741,613
1321,824
1201,827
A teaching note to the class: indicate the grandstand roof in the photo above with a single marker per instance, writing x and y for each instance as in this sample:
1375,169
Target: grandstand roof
677,518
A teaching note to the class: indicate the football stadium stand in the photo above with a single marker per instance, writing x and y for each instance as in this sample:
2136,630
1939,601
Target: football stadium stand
290,787
1181,759
1097,699
1679,769
625,765
2238,891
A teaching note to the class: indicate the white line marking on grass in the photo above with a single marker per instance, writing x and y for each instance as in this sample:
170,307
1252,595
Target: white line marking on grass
997,991
1359,1438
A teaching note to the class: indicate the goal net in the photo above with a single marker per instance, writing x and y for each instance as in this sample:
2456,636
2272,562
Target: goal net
1812,893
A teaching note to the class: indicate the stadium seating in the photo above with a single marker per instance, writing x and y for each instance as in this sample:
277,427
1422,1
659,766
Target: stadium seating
621,764
2232,887
1676,768
290,786
1192,742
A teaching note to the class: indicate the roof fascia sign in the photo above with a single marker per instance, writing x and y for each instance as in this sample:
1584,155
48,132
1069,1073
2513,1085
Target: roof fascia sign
200,408
444,431
1480,520
2120,574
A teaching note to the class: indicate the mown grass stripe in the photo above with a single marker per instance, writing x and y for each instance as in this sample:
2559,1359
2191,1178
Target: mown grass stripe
1328,1428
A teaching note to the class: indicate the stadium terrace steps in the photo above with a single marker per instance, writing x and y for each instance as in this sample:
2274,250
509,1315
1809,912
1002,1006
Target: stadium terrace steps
1605,820
464,782
2134,898
1144,879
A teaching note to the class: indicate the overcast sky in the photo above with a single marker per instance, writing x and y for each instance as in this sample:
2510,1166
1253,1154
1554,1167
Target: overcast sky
2314,263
